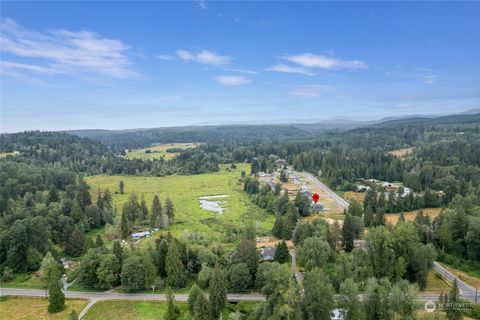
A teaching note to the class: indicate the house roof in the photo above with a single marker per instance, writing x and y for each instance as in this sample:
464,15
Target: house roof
268,253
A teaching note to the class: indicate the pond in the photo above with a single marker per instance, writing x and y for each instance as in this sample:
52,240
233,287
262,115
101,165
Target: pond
206,203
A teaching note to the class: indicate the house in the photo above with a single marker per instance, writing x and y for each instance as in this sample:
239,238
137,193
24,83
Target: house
317,206
139,235
268,253
281,162
337,314
362,188
362,244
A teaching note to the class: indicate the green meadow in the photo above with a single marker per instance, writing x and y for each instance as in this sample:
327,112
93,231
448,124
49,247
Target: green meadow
184,191
157,152
130,310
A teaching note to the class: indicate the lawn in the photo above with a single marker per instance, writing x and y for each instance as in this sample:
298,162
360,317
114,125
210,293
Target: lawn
157,152
130,310
435,284
19,308
184,192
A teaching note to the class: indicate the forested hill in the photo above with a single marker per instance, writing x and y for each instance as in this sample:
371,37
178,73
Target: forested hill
422,121
137,138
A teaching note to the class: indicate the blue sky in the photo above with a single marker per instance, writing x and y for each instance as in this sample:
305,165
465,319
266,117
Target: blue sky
112,65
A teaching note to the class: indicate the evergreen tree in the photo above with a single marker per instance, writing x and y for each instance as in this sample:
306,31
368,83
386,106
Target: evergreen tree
99,201
169,209
368,216
118,252
218,292
281,253
156,218
121,187
53,195
348,233
454,313
143,209
75,240
107,199
56,298
83,195
174,268
173,311
76,212
379,219
125,225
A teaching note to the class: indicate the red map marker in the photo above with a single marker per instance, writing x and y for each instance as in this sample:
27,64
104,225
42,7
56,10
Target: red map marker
315,197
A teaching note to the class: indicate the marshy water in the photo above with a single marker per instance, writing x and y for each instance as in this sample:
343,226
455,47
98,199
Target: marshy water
216,206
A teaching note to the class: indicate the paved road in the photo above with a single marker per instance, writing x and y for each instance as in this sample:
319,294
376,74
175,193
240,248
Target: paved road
342,203
298,275
467,292
120,296
94,297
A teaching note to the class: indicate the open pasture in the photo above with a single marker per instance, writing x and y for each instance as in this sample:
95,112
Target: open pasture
158,151
20,308
185,192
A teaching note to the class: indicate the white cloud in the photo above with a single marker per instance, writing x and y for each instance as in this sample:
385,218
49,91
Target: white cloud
166,57
284,68
310,60
247,71
232,80
204,57
310,91
202,4
63,51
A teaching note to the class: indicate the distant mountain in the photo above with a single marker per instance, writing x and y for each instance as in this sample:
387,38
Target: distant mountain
472,111
451,119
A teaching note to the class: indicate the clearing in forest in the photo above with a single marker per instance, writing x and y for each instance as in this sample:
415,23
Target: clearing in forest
166,151
410,215
401,153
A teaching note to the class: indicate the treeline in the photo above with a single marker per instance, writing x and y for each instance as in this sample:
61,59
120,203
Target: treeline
84,155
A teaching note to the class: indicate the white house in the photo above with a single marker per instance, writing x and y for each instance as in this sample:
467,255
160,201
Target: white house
139,235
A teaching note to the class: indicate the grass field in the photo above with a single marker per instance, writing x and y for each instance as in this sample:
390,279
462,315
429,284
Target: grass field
410,215
185,191
467,278
159,151
19,308
24,280
350,195
435,284
131,310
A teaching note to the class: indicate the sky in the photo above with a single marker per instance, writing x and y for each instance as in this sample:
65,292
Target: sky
117,65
